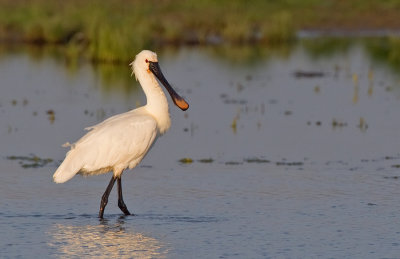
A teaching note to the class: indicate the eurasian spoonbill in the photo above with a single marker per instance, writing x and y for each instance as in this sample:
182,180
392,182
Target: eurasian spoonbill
122,141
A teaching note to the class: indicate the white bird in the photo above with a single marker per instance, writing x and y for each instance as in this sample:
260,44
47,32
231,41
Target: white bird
122,141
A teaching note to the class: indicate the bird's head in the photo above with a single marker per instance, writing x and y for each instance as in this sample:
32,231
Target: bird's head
146,62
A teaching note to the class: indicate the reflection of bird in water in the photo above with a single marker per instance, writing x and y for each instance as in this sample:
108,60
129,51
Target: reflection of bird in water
103,241
124,139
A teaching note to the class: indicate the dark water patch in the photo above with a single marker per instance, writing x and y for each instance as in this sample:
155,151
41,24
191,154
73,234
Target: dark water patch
206,160
257,160
311,162
395,177
228,100
308,74
284,163
392,157
31,161
316,123
287,113
233,163
355,168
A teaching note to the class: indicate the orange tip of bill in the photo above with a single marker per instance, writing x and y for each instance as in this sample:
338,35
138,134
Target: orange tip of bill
181,103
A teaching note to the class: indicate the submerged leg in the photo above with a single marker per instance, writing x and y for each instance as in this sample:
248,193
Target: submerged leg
104,199
121,203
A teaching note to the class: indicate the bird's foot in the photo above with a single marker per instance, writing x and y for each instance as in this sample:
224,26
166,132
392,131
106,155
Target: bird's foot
123,208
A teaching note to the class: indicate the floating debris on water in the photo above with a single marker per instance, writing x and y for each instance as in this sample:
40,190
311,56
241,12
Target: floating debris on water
338,124
392,177
206,160
317,89
233,163
363,126
308,74
228,100
339,162
317,123
289,163
287,113
186,160
31,161
257,160
223,96
234,122
52,116
391,157
233,125
396,166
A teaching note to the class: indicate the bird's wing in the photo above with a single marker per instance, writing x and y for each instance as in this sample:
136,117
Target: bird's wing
117,117
112,144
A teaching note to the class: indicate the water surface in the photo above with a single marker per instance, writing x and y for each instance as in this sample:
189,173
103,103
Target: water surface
288,154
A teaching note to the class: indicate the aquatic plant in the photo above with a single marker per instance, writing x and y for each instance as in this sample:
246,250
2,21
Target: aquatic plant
31,161
112,31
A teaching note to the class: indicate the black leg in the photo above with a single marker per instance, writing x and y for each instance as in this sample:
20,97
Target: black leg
121,203
104,199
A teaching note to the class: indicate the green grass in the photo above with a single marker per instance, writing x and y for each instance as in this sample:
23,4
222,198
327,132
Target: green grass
114,30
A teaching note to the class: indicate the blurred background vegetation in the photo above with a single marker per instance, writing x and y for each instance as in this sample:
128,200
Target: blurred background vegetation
114,30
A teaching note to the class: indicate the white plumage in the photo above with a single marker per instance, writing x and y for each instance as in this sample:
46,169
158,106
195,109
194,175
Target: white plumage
123,140
113,145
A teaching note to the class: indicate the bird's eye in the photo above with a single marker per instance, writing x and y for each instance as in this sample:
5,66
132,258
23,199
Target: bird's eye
147,61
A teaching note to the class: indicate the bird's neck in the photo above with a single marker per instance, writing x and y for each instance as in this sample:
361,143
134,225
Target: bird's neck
157,103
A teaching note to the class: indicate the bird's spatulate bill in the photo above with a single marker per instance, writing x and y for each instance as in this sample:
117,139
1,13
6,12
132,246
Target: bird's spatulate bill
178,100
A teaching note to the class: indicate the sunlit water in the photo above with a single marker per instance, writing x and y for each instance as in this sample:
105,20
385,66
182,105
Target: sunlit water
283,165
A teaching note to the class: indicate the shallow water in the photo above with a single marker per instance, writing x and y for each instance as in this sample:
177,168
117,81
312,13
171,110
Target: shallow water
291,155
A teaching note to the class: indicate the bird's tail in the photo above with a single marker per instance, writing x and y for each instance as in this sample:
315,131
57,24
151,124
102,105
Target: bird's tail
68,168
